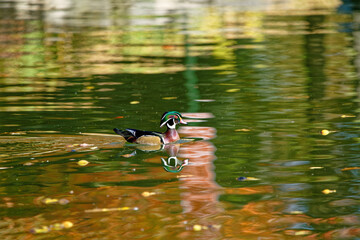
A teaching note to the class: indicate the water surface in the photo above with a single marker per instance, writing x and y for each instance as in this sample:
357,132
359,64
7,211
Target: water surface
271,88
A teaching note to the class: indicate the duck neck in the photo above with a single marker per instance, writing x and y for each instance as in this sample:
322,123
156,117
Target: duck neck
171,135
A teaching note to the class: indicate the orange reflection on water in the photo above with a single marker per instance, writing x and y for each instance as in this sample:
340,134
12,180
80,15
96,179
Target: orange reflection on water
200,196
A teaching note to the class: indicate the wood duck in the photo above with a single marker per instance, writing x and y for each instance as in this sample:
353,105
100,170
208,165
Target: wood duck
170,119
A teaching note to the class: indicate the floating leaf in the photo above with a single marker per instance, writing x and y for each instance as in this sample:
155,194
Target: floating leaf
50,200
18,133
296,212
95,210
350,168
128,155
242,130
42,229
184,176
68,224
325,132
147,194
197,227
55,226
328,191
347,115
233,90
316,168
83,163
169,98
85,145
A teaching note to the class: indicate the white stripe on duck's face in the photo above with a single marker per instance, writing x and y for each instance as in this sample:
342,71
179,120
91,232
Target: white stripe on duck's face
171,123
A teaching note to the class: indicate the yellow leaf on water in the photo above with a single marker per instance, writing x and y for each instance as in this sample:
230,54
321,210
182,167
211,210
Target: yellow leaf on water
50,200
347,115
302,232
242,130
325,132
252,179
43,229
97,210
83,163
169,98
350,168
328,191
316,167
296,212
197,227
233,90
147,194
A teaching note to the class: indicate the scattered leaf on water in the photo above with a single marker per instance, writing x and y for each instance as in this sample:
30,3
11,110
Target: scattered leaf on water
325,132
147,194
296,212
55,227
42,229
50,200
204,100
184,176
297,232
28,164
85,145
82,163
227,84
347,115
350,168
316,167
252,179
128,155
233,90
197,227
18,133
134,102
95,210
68,224
47,201
63,201
2,168
169,98
242,130
328,191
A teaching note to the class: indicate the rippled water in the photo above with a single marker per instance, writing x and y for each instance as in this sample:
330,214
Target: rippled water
270,87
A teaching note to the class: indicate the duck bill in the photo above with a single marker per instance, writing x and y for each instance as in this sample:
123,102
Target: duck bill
182,121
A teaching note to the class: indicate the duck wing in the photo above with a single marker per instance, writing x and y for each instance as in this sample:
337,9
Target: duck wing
139,136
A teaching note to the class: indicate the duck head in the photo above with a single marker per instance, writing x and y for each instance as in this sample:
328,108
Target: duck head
170,119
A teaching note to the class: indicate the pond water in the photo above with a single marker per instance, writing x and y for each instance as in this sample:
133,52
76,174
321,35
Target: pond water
270,90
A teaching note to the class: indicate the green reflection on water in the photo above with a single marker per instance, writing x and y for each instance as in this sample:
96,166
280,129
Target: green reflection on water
273,80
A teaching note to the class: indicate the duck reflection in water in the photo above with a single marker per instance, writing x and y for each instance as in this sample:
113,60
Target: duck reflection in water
177,165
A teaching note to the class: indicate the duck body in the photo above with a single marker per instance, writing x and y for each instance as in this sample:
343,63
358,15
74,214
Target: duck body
170,119
140,136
